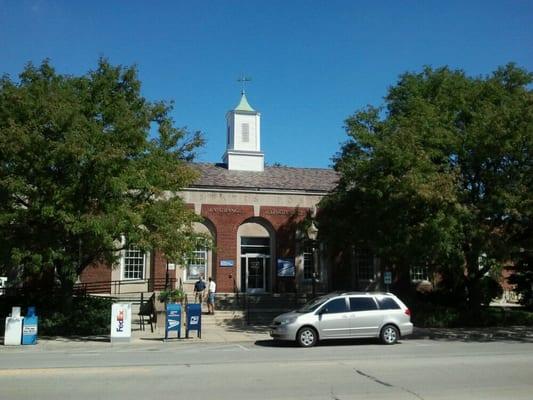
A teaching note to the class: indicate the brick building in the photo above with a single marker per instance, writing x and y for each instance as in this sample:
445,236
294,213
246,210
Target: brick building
253,214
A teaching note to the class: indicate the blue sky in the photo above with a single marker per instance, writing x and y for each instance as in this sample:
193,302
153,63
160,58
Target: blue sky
313,63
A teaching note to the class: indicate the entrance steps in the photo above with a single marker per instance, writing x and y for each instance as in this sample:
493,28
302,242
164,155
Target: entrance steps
224,318
233,309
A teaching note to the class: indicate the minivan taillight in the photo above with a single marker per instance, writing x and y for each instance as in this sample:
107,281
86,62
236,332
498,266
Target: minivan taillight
407,312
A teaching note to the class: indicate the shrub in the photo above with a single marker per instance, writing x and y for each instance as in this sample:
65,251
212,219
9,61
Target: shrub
173,296
84,315
490,289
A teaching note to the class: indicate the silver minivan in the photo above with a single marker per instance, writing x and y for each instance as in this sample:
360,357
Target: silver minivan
345,315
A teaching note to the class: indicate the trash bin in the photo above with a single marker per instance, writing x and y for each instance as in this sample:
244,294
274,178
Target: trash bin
13,331
173,319
194,319
29,327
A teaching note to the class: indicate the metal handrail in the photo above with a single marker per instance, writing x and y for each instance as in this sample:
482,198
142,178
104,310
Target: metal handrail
106,286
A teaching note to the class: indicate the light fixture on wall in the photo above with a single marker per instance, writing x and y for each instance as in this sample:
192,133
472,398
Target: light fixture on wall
312,231
312,234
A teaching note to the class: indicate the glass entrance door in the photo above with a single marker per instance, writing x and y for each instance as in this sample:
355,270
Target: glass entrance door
255,266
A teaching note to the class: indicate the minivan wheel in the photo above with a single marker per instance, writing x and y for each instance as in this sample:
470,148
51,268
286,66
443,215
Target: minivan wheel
389,334
306,337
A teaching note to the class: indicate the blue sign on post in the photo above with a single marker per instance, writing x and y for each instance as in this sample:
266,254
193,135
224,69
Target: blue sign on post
173,319
194,319
29,327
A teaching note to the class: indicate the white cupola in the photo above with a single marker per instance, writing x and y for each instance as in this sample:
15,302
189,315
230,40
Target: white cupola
243,143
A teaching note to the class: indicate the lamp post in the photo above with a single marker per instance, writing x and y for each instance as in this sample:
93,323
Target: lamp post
166,277
312,234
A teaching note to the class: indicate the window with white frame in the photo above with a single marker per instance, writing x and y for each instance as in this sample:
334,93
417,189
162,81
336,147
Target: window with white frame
419,273
197,264
308,262
134,262
364,261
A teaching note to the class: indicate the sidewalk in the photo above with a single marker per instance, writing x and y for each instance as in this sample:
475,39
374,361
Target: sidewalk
227,333
211,333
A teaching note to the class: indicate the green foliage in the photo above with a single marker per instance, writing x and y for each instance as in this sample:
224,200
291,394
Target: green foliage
428,314
171,296
445,307
490,289
439,175
523,280
83,161
63,317
434,316
89,316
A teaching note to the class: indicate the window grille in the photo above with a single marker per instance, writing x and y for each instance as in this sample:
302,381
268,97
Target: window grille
134,260
419,273
364,260
245,133
255,245
308,262
197,264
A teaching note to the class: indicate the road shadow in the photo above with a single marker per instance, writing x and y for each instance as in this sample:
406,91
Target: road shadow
520,334
322,343
275,343
95,339
240,326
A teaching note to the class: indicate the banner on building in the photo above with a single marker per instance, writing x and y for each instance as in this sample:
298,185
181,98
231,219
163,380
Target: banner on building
286,267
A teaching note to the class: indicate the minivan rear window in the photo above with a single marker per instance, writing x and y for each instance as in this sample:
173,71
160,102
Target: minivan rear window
362,304
387,303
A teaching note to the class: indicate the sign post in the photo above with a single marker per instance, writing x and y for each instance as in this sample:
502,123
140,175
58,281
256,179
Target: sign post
120,322
387,278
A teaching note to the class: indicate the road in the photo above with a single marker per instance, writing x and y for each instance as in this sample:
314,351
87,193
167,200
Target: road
413,369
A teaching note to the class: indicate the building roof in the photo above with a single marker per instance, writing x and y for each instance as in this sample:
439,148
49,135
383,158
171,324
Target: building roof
244,105
272,178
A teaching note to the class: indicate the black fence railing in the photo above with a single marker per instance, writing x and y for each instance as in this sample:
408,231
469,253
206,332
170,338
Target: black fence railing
263,307
119,286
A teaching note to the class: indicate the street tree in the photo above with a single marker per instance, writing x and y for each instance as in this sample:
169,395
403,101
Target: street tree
86,161
440,174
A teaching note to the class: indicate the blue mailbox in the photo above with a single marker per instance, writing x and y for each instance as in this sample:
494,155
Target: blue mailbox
173,319
29,327
194,319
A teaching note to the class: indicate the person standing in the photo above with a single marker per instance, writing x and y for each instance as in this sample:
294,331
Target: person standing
199,289
211,290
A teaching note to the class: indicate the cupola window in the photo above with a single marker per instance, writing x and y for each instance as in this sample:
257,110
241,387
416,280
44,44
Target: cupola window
245,132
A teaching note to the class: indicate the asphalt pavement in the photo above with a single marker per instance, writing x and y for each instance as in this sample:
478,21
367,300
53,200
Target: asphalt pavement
240,333
416,368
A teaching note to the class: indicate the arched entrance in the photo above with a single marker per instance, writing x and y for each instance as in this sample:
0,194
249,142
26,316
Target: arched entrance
199,263
256,245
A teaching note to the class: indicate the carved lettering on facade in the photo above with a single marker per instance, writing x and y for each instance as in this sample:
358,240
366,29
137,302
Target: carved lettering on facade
272,211
225,210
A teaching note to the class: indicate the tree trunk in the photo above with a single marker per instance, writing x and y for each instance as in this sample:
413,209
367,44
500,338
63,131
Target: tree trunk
66,286
472,280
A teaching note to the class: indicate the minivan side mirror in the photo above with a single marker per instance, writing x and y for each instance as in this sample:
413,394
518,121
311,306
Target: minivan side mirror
323,310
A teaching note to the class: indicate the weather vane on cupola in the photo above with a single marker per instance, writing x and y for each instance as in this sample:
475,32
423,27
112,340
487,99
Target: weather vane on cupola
243,79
